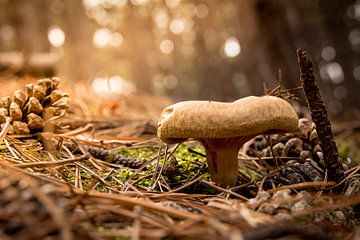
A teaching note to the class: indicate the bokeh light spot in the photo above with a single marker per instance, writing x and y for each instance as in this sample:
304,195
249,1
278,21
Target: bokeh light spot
166,46
116,39
56,36
232,47
172,3
328,53
202,10
113,85
340,92
332,71
177,26
139,2
356,72
102,37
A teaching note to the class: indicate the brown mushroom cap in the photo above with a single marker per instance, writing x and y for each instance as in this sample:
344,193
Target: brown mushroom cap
248,116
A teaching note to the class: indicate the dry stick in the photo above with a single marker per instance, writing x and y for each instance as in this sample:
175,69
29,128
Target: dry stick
136,228
5,129
320,117
52,164
145,204
224,190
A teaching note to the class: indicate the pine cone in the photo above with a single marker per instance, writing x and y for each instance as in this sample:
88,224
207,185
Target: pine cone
301,143
30,109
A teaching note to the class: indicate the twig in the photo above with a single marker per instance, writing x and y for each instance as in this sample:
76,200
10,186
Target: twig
224,190
5,129
52,164
196,179
131,202
136,229
320,117
303,185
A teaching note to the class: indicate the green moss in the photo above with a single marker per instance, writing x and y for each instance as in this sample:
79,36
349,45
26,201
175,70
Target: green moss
343,149
185,163
124,174
250,174
141,152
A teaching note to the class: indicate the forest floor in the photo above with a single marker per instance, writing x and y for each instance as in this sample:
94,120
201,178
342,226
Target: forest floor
107,176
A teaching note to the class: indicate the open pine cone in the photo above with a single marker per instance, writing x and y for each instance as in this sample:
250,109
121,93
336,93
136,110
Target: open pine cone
35,109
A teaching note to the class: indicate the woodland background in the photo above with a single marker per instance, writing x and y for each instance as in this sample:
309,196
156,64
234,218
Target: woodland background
217,50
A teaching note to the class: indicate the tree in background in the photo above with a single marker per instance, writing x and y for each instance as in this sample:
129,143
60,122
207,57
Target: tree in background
219,50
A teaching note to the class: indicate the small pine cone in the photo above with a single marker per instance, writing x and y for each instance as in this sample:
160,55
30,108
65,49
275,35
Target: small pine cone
3,115
39,92
20,127
15,112
34,122
19,97
35,106
6,102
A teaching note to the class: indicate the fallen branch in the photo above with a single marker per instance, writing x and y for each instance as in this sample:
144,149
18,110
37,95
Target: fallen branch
320,117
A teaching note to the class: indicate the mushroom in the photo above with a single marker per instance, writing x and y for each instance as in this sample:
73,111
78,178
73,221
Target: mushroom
223,128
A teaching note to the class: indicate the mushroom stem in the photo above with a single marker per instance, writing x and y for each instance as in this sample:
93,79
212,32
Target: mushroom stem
222,159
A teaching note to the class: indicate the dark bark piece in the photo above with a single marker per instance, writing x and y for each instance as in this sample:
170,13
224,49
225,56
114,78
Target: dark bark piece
320,117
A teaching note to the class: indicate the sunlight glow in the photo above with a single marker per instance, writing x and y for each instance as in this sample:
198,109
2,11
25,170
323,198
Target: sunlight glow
139,2
172,3
56,36
91,3
177,26
170,81
332,71
116,39
202,10
113,85
232,47
166,46
160,17
103,38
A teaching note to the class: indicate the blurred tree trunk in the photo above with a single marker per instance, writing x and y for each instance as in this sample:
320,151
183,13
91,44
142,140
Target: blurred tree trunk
31,21
338,33
79,64
311,25
139,43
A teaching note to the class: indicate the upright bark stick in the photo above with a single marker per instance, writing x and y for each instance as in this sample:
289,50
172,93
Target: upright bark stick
320,117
